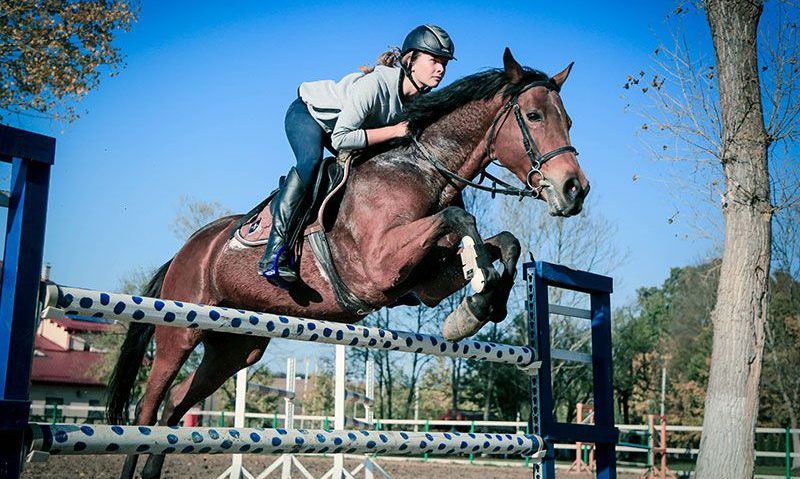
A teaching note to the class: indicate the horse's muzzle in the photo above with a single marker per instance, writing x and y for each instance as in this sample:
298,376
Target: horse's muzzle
567,200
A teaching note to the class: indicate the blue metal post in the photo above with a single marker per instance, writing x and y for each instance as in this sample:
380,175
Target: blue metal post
603,374
541,389
31,156
541,275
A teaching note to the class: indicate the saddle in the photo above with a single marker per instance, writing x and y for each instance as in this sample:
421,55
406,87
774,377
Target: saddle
254,227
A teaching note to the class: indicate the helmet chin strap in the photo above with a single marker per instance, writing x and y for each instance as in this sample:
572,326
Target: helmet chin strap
410,77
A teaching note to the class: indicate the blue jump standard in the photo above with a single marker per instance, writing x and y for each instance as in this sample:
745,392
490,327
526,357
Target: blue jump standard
539,276
31,156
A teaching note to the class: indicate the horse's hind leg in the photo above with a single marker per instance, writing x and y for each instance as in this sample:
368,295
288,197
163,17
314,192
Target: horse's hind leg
173,347
224,354
447,278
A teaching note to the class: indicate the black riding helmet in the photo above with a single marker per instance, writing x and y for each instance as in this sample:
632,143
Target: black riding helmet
430,39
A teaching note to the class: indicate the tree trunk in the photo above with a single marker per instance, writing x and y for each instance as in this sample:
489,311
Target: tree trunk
416,363
389,388
381,376
731,407
488,391
795,439
625,402
412,384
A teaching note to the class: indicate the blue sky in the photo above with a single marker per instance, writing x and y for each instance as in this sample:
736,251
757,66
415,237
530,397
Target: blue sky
199,111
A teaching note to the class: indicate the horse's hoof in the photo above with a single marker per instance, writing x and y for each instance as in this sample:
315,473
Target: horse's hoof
461,323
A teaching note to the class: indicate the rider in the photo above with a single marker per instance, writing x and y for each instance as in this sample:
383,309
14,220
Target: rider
360,110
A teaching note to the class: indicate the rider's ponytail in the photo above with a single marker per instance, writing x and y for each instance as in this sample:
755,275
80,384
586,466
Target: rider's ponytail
389,58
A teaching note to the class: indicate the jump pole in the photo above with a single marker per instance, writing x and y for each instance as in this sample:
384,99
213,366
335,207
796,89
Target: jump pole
535,358
338,471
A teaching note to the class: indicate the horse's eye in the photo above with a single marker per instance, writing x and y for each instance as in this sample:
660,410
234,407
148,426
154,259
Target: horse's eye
534,116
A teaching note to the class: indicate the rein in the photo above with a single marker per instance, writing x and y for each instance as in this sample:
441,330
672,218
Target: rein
529,144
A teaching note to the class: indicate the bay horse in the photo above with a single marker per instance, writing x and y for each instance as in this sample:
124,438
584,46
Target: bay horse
397,232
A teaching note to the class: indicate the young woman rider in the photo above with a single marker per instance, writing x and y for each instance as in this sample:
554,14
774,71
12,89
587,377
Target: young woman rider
360,110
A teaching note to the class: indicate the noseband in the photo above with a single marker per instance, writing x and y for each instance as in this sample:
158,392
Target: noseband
534,155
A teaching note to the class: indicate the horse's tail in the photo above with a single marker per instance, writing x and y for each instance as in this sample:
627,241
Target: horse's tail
123,378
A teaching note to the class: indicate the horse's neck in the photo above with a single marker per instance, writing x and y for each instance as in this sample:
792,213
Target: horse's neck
458,141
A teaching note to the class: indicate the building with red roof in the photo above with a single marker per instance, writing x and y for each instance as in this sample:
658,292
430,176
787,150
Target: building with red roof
67,369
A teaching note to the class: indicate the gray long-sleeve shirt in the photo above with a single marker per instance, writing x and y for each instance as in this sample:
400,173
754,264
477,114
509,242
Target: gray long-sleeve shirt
357,102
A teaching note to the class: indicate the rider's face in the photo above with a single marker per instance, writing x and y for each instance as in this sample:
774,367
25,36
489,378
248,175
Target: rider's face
429,70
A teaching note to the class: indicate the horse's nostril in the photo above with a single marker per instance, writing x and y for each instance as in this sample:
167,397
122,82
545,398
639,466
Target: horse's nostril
573,189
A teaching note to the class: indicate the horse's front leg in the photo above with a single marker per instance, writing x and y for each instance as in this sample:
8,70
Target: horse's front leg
445,277
401,250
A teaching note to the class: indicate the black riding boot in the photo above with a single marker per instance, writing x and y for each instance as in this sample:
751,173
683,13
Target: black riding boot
288,211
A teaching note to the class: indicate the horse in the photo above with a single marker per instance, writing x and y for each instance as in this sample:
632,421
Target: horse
396,234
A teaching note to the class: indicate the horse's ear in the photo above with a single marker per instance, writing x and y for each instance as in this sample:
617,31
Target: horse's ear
560,78
513,69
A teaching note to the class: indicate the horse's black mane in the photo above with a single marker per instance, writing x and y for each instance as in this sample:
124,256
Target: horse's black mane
425,110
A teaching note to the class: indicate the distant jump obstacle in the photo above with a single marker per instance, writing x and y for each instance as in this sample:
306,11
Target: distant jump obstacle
32,156
286,462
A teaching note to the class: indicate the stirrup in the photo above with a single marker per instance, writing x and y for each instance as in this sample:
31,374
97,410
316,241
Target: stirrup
273,272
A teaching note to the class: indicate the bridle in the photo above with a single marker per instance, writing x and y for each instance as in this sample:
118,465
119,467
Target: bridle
534,155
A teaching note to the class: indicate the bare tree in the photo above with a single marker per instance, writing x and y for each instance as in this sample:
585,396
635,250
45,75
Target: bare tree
726,445
386,368
732,117
194,214
683,122
421,319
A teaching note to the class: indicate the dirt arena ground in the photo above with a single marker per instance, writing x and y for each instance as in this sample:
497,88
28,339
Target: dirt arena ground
211,466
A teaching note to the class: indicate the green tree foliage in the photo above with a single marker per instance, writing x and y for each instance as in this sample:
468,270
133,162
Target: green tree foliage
636,337
52,52
780,383
501,390
321,402
668,327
